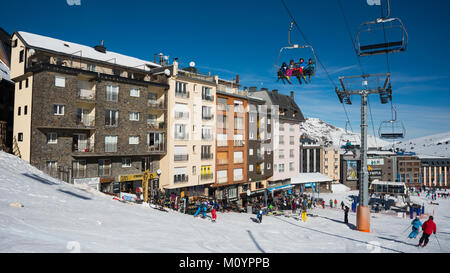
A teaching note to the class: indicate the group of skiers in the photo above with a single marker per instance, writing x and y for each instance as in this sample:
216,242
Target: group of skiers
299,70
428,228
203,209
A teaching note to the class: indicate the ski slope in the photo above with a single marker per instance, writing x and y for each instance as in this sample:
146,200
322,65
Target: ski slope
58,217
430,146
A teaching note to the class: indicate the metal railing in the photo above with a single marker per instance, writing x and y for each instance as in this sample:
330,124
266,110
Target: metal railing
154,104
184,95
208,176
82,147
156,148
181,157
178,179
208,97
85,121
207,156
86,94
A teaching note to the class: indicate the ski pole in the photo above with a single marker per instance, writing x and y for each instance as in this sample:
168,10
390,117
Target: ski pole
406,229
438,241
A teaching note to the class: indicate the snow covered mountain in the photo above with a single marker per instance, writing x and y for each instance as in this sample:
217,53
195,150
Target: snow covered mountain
434,145
319,130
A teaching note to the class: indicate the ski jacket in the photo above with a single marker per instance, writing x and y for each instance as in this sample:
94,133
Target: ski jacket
429,227
416,224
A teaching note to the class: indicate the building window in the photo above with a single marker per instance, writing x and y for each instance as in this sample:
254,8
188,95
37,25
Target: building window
206,94
239,123
20,85
25,110
111,117
281,154
281,140
206,113
250,168
21,55
180,131
91,67
180,175
133,140
238,174
250,152
291,140
52,167
291,166
134,92
207,133
58,110
238,157
52,138
26,83
291,153
268,166
112,93
79,168
60,81
134,116
19,111
281,168
110,144
222,176
104,167
126,162
20,137
291,127
194,170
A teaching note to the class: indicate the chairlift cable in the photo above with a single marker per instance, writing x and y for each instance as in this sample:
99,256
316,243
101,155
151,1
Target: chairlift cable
318,59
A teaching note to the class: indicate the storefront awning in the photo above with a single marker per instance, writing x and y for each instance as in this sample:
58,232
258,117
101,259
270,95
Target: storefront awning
306,178
281,187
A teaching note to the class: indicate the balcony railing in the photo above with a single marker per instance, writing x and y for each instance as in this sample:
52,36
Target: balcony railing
181,115
182,136
207,137
184,95
85,121
82,147
207,156
154,104
86,94
180,179
210,117
181,157
208,176
153,124
208,97
239,143
156,148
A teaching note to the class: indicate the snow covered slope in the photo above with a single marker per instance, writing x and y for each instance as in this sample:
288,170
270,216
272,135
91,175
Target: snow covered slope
433,146
319,130
58,217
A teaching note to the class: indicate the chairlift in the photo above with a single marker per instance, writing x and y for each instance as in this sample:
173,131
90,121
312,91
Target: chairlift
308,70
367,41
392,129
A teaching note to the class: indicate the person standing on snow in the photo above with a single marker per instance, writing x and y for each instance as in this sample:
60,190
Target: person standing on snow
335,203
304,215
331,203
428,228
416,224
342,205
213,211
259,214
346,214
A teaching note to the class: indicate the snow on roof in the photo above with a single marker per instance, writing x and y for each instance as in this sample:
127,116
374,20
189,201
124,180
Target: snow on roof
4,72
60,46
303,178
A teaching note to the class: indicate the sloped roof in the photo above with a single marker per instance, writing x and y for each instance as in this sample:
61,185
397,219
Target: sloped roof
59,46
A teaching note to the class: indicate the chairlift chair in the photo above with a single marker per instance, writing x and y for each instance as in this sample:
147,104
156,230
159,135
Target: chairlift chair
382,26
294,47
392,129
348,140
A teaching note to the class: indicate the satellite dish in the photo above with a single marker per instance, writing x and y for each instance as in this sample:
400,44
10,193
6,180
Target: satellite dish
32,51
167,72
191,64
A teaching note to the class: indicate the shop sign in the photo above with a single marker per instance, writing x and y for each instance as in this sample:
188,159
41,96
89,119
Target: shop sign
375,161
91,182
135,177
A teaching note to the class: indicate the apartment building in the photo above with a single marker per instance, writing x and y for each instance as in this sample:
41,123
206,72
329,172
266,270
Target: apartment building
259,156
330,163
87,113
231,145
285,121
189,167
6,93
381,165
310,155
435,171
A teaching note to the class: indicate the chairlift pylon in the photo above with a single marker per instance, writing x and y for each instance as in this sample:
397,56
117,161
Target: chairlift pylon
366,47
291,46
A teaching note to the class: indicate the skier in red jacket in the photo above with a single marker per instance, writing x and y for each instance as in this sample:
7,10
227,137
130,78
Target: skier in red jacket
428,228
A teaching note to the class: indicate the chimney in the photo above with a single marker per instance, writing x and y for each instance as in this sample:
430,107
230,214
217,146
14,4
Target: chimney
275,91
253,89
292,94
100,48
237,79
154,58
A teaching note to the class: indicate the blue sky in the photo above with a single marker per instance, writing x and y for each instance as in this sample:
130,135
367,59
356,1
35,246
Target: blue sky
243,37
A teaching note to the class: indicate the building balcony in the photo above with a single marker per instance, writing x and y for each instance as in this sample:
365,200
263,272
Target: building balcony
208,117
207,156
85,121
82,148
182,136
86,94
208,176
156,105
156,148
183,95
207,98
181,157
181,178
181,115
153,124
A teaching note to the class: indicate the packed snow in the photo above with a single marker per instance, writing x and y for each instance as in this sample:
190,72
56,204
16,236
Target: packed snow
42,214
430,146
323,132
